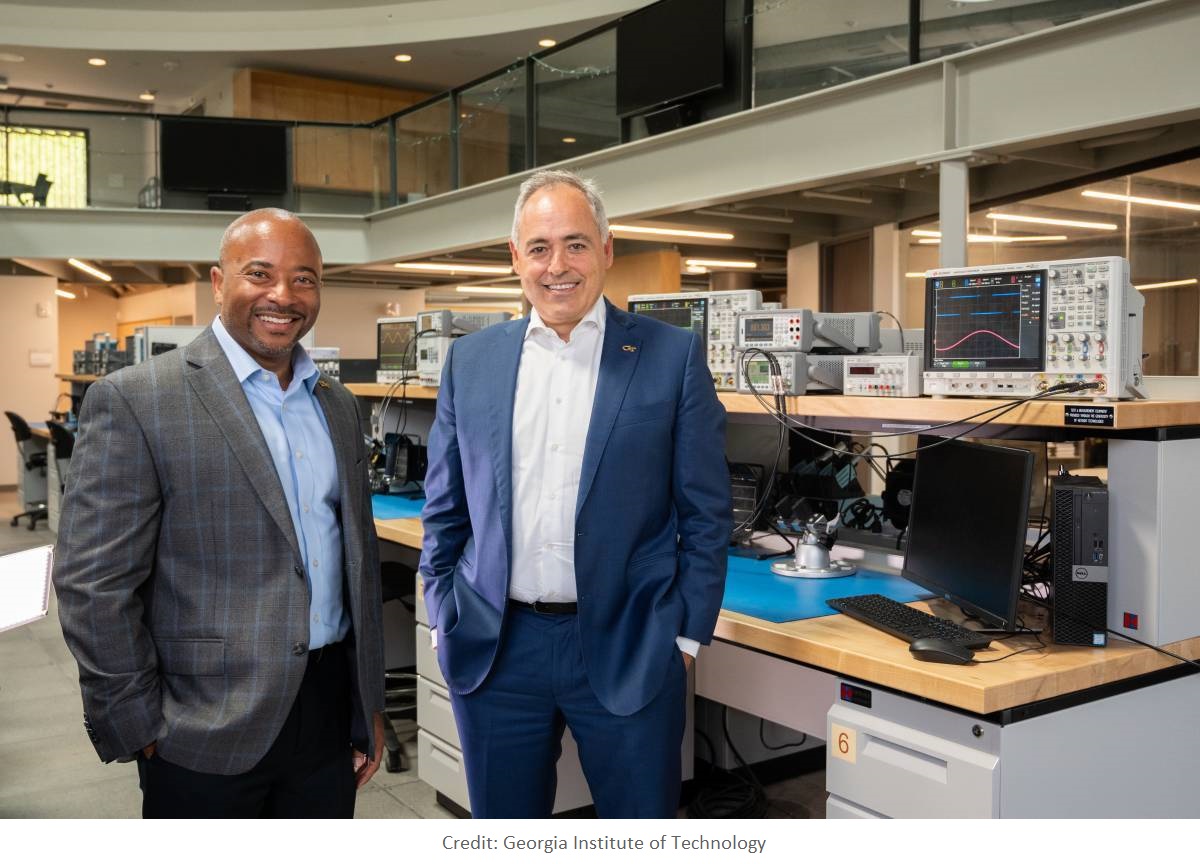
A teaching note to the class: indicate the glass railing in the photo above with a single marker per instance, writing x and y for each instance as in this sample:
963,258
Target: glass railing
554,106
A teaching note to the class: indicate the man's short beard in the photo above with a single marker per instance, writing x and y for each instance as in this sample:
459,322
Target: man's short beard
270,350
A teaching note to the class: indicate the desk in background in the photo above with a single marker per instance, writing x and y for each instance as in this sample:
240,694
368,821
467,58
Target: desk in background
1060,731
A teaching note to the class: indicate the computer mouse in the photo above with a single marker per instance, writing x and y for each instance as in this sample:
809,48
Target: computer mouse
936,650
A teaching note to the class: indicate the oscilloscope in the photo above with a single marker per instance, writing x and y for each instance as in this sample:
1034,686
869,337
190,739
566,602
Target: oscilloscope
1018,329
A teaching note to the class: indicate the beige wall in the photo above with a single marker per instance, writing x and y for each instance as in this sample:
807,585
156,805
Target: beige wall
30,315
174,301
804,277
93,311
348,313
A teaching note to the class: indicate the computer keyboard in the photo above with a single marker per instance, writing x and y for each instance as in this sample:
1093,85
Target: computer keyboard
906,623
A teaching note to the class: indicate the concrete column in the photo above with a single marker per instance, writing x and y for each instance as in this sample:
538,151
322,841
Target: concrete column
953,212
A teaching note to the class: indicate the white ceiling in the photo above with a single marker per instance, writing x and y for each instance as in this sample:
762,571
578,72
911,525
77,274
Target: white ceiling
452,42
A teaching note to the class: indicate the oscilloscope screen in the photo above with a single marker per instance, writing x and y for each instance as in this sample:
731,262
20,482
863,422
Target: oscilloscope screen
986,321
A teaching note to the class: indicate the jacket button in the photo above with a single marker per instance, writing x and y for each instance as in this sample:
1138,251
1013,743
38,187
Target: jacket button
299,571
299,649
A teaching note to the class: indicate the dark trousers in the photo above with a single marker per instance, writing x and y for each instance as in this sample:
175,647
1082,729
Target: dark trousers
511,730
307,773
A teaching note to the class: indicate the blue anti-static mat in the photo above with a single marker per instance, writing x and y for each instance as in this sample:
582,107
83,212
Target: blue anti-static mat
396,506
752,589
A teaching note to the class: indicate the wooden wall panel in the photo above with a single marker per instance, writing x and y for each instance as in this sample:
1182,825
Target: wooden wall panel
654,272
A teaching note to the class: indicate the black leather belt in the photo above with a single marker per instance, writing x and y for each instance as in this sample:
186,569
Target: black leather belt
544,608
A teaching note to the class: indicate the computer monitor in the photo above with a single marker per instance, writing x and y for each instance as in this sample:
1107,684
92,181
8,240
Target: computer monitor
690,313
396,351
988,322
967,525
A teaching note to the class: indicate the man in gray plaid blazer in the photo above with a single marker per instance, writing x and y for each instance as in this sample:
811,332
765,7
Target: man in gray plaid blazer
217,566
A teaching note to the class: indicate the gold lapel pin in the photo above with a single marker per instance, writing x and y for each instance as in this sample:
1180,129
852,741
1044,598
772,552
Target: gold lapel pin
322,383
629,348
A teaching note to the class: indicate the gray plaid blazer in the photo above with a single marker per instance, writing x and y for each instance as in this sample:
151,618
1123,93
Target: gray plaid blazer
180,585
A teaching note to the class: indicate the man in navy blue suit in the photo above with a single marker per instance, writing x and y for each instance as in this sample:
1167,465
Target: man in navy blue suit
576,525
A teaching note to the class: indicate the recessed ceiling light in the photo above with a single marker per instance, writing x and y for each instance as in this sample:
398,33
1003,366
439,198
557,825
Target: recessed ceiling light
715,263
1043,220
672,232
547,43
403,58
568,140
90,269
97,61
6,57
430,267
66,295
147,95
1174,284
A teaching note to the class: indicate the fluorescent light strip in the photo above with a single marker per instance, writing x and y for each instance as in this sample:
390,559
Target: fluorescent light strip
89,269
1137,199
713,262
65,294
1043,220
1178,283
423,267
488,289
995,238
920,275
672,232
696,271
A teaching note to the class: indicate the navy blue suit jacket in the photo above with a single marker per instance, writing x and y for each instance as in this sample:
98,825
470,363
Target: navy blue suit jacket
652,519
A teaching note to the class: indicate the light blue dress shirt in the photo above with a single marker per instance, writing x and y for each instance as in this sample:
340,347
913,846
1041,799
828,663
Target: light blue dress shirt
297,434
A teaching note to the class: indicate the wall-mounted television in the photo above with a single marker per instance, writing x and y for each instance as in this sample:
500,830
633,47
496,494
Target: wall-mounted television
669,51
220,155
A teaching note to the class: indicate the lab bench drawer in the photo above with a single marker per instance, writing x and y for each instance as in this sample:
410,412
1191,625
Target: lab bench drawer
434,712
427,662
441,766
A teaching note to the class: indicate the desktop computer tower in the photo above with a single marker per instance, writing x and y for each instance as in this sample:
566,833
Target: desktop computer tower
1080,559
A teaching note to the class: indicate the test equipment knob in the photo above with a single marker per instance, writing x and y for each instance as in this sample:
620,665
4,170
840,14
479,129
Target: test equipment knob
1083,337
1067,337
1051,338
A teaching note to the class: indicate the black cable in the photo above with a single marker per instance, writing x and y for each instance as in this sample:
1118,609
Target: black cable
899,325
1170,654
727,795
762,738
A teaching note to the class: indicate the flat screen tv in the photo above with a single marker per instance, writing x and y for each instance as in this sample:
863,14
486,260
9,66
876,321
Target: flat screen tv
669,51
219,155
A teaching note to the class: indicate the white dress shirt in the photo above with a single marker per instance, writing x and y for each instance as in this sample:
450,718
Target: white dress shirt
552,409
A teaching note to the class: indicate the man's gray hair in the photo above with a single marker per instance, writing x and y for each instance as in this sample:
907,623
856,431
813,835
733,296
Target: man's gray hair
276,213
560,177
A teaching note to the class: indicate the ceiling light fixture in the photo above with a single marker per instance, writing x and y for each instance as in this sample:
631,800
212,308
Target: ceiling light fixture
718,264
547,43
489,289
672,232
1043,220
403,58
148,95
696,271
97,61
1178,283
6,57
452,269
89,269
1138,199
66,295
831,196
569,140
919,275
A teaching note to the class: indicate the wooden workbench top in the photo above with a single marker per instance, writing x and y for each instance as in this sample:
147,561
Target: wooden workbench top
843,646
923,410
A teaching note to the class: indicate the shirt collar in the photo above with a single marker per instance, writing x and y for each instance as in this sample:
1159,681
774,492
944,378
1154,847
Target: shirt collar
303,368
596,316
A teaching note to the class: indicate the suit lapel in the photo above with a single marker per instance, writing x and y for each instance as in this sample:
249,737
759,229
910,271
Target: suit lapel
618,359
507,360
212,379
342,432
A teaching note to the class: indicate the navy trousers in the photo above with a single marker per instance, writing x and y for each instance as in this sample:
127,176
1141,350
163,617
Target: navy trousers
511,730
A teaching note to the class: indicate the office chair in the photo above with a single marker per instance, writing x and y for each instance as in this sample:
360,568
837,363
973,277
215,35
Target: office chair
62,440
34,461
400,688
41,188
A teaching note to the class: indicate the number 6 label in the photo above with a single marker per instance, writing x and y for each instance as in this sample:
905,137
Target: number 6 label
842,743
